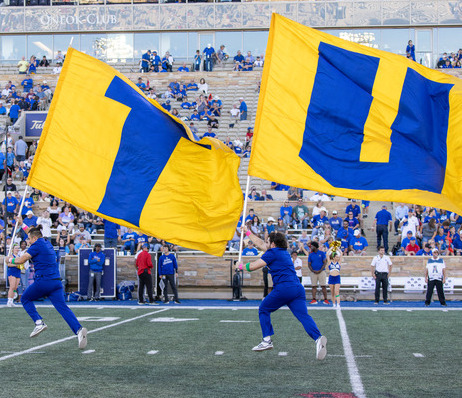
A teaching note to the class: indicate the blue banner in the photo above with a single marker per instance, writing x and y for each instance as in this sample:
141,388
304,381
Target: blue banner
34,124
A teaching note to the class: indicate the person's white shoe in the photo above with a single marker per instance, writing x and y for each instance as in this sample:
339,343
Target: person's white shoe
263,346
10,304
334,305
38,329
82,336
321,350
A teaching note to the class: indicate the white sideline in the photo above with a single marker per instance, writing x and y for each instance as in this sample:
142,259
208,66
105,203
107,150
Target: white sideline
355,378
17,354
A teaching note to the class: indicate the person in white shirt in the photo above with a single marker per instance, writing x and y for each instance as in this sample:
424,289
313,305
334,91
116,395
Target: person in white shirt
319,196
297,264
410,223
435,275
45,221
401,211
381,269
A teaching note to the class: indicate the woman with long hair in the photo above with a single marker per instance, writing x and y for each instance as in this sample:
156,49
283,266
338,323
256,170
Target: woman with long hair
14,276
334,254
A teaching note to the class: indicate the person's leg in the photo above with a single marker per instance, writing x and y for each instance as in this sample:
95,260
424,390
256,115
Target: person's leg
385,238
90,289
265,282
33,292
141,284
171,279
148,283
337,293
440,291
377,288
56,296
13,285
430,287
379,236
332,293
385,287
165,289
324,292
298,308
271,303
98,276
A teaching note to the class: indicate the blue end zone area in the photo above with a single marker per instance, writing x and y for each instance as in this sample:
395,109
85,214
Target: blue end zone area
252,304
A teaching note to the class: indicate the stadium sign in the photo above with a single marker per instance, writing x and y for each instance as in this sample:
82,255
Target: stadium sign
48,20
34,124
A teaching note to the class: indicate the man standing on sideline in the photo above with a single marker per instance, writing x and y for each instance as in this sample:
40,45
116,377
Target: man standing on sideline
168,267
143,264
317,264
435,275
381,269
96,261
383,223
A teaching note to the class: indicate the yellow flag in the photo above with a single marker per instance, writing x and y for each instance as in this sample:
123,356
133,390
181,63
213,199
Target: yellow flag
108,149
350,120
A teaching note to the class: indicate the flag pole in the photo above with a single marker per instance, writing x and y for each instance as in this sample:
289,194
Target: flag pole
246,198
16,224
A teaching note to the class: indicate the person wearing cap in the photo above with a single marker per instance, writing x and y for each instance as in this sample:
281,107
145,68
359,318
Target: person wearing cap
30,220
96,261
81,233
435,275
426,251
146,61
381,267
355,209
406,240
383,223
143,265
250,250
300,214
265,196
270,226
358,244
166,105
155,62
412,248
243,109
208,58
410,223
335,222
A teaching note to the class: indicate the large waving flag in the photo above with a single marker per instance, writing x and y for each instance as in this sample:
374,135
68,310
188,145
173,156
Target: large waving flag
107,148
350,120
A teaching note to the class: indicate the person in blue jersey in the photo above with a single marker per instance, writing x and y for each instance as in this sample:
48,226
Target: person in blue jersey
208,52
14,276
168,267
250,250
111,234
410,50
96,261
287,290
146,61
243,109
47,283
129,241
334,254
358,244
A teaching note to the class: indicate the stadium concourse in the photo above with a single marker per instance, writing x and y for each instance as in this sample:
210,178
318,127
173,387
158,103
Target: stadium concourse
212,278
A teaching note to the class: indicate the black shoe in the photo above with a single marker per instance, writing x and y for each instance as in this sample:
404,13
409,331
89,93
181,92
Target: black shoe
177,302
444,305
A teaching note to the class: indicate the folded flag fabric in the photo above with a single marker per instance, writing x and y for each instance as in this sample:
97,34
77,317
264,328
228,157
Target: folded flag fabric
109,149
350,120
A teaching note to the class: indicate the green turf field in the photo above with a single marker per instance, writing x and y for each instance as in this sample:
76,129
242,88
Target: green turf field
185,358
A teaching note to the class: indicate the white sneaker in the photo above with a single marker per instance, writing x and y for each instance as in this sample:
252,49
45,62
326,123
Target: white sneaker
263,346
321,350
10,304
38,329
82,336
334,305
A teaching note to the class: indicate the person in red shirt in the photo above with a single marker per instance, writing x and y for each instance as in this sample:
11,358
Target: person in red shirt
412,248
144,266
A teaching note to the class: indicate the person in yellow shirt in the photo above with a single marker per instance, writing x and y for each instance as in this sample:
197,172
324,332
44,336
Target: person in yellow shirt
22,66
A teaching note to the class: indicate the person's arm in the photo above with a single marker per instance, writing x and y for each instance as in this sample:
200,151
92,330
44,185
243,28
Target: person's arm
257,264
324,263
426,275
302,248
300,267
18,260
444,275
373,268
149,262
255,239
390,267
175,264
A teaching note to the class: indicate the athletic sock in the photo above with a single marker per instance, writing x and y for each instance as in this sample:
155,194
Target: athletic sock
38,322
10,300
267,339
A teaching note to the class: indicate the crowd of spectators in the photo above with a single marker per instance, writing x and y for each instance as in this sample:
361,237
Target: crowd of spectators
450,61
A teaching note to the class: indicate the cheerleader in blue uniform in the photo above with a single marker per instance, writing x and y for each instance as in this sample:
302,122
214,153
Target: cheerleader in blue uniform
334,254
14,276
47,283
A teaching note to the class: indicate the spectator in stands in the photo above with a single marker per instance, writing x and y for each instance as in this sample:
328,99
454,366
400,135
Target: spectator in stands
208,52
82,233
203,88
254,195
250,250
410,50
167,62
30,220
239,57
358,244
294,194
197,61
141,85
221,55
426,251
412,248
10,205
401,211
96,261
59,59
286,212
44,62
9,186
381,267
256,227
235,112
66,220
2,109
250,216
279,187
265,196
155,62
27,83
57,69
168,269
45,221
353,222
345,233
304,240
383,224
335,222
354,208
54,210
318,221
446,247
447,65
243,109
317,208
410,223
23,65
319,196
33,64
15,111
269,227
281,226
258,62
183,68
317,265
405,241
429,230
17,174
146,62
435,275
300,215
129,241
20,149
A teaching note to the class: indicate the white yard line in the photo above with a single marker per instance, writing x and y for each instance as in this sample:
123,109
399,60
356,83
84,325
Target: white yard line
17,354
355,377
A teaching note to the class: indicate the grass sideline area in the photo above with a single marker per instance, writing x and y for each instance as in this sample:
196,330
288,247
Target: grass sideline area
181,351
